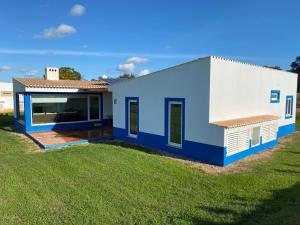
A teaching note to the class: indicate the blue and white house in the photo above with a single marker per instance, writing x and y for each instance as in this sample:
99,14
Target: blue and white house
211,109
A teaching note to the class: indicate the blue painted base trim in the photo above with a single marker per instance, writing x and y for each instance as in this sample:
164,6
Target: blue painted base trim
286,130
62,126
230,159
191,150
211,154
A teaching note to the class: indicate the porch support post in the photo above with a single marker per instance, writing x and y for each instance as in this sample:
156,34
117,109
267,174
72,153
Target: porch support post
27,111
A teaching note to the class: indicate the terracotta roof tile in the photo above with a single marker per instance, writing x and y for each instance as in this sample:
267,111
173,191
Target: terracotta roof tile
245,121
78,84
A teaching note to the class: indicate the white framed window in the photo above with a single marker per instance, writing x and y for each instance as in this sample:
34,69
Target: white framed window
275,96
132,118
255,136
289,107
175,124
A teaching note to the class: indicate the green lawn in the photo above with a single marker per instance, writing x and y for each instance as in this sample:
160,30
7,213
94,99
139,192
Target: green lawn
110,184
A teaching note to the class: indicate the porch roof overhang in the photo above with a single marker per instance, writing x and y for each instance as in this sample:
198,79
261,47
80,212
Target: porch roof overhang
245,121
40,85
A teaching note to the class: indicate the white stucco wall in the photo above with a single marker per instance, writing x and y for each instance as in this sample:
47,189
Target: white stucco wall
189,81
241,90
6,100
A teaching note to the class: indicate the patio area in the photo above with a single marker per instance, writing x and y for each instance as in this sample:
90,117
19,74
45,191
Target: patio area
67,137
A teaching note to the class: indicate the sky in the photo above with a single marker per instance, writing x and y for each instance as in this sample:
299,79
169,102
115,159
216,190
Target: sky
109,38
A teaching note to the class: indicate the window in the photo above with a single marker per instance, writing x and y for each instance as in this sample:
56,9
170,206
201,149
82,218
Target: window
289,107
6,93
20,112
133,118
94,107
59,108
275,96
255,136
175,124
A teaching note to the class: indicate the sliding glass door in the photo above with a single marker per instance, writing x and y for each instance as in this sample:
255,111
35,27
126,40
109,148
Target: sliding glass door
64,108
94,106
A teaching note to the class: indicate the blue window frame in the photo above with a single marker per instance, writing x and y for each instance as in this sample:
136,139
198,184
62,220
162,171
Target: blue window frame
289,107
275,96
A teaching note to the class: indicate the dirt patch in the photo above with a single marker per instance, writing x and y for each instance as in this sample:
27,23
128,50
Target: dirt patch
241,165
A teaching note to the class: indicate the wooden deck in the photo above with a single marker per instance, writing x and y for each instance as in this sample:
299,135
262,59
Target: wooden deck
61,138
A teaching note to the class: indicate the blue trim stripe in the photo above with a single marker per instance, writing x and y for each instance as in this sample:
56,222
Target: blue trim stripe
286,130
232,158
190,150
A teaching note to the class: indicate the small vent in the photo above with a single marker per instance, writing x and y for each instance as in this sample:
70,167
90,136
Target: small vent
232,143
269,132
244,140
266,133
237,141
273,131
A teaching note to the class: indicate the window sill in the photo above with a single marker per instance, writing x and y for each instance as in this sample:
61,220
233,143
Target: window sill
174,146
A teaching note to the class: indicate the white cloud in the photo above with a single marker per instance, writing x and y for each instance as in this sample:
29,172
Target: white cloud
77,10
31,73
60,31
104,76
137,60
46,52
144,72
126,67
5,68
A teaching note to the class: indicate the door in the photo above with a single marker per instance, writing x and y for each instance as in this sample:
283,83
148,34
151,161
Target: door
175,124
133,118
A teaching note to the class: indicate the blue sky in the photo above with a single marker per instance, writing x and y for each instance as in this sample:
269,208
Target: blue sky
101,37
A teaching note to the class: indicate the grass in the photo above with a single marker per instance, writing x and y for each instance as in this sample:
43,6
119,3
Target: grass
111,184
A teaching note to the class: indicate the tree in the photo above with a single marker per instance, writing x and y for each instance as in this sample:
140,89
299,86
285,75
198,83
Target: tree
274,67
128,76
295,68
68,73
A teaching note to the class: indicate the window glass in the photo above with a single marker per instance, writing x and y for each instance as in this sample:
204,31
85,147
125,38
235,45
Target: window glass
133,117
255,136
20,113
59,108
175,123
94,107
289,107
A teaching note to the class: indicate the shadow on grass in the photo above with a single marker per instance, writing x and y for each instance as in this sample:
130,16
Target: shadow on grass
282,208
7,123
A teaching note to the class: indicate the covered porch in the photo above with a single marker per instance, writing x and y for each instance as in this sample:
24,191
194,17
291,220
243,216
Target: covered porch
62,138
